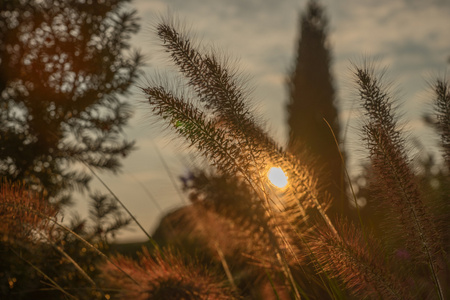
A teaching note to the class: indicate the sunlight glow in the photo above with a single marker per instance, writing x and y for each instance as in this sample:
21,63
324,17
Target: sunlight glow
277,177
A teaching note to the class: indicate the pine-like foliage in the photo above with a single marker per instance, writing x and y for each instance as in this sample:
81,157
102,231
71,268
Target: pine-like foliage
63,66
312,99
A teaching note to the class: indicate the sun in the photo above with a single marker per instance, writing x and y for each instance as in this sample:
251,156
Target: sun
277,177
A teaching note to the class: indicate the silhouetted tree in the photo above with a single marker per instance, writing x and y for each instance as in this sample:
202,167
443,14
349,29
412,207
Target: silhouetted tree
63,66
312,99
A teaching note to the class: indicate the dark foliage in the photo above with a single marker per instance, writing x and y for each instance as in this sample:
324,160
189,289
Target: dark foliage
63,66
41,258
312,99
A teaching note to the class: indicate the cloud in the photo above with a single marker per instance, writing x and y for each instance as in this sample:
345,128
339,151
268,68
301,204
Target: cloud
380,27
145,7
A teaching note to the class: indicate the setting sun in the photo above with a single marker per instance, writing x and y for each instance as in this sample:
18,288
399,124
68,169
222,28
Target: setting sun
277,177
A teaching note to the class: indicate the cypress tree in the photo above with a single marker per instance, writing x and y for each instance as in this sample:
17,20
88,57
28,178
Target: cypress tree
312,99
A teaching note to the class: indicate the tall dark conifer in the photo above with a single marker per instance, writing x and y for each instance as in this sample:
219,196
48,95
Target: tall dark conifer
312,99
63,66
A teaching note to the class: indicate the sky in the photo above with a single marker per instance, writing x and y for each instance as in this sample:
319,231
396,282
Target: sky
409,37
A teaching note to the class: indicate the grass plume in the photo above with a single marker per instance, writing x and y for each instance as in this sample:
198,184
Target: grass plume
442,103
24,215
397,185
164,276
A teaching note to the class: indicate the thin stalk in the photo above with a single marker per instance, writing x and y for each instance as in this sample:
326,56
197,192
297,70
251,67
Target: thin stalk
169,173
148,193
346,173
38,213
273,286
225,267
124,207
72,261
58,287
274,241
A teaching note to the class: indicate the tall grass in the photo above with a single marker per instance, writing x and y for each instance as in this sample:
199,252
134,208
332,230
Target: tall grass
257,242
218,122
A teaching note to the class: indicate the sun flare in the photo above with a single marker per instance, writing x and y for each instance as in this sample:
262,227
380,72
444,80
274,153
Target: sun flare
277,177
